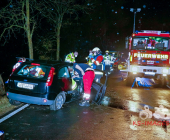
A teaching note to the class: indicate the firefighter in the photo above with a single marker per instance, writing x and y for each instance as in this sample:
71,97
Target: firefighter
97,60
107,60
107,56
88,58
113,57
87,73
112,60
71,57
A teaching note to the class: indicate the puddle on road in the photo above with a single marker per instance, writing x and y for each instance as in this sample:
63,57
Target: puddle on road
131,106
134,107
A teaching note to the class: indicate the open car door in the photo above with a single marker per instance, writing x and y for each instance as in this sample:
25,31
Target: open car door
99,85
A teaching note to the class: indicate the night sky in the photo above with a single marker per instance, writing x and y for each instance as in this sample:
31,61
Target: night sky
105,27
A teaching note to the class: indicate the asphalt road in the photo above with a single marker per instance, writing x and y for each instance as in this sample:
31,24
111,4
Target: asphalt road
117,120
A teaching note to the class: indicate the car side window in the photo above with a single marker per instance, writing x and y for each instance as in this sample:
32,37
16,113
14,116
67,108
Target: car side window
67,72
63,72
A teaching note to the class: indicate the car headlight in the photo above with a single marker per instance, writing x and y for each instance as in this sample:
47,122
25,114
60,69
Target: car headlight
134,68
165,70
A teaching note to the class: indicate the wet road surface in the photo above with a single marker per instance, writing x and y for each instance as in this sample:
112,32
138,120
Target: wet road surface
117,120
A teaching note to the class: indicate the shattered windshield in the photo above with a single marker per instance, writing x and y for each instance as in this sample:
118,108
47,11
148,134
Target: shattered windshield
150,43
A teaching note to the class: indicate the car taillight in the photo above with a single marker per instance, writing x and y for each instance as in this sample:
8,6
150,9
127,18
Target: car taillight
45,100
50,77
35,64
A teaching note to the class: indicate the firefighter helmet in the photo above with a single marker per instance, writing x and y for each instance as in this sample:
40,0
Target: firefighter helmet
96,49
106,51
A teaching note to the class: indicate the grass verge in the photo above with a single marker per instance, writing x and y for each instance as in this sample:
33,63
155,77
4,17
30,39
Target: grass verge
5,106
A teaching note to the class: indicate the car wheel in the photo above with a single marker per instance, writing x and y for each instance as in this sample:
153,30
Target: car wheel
58,102
14,102
64,96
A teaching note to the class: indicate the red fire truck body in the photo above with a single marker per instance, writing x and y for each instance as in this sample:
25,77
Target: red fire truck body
149,55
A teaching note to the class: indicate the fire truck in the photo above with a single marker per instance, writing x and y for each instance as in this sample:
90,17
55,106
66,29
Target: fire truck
149,56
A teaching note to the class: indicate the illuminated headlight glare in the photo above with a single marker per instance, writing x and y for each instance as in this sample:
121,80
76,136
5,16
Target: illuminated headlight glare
134,72
134,69
164,75
165,71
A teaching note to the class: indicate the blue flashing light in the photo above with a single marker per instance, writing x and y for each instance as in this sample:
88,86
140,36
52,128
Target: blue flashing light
136,31
157,61
143,60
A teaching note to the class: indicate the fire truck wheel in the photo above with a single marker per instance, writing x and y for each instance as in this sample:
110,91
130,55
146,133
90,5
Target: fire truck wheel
129,80
162,82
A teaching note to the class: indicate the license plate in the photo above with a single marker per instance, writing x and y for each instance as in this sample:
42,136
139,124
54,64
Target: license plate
149,73
150,62
26,86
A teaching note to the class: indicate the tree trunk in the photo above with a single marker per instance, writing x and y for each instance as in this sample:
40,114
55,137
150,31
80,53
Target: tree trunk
58,42
29,36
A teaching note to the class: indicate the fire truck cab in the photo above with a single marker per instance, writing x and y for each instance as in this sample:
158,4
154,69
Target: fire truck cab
149,56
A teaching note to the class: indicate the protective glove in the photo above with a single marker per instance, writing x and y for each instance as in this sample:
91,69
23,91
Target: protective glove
93,60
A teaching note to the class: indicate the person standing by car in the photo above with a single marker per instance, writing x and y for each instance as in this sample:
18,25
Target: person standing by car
97,60
107,60
87,73
107,56
71,57
88,58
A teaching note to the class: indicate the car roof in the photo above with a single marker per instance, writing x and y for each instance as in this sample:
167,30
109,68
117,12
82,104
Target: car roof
49,62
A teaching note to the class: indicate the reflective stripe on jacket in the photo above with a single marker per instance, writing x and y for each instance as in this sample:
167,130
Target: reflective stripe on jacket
74,85
70,58
97,63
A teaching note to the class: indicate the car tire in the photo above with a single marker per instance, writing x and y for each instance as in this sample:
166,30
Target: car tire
58,102
64,96
14,102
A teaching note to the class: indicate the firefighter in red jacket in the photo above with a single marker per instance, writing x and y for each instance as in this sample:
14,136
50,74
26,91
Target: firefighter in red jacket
98,60
87,73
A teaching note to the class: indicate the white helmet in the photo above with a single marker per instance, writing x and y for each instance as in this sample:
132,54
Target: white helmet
96,49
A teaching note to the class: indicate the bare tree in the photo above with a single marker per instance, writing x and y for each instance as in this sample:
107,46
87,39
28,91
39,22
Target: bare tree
16,18
55,10
43,46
